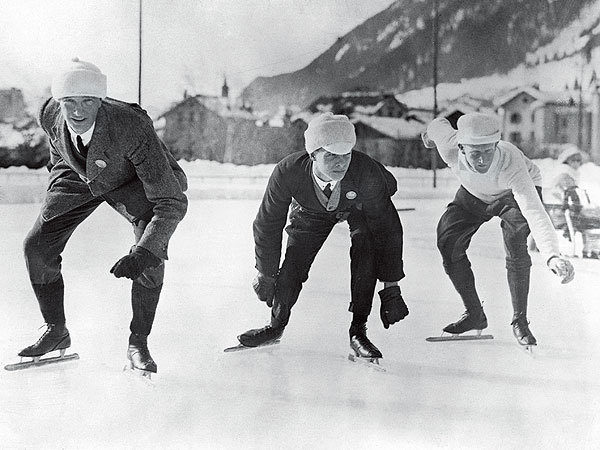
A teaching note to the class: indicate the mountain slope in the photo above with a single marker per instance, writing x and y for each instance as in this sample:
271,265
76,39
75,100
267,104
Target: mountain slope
392,50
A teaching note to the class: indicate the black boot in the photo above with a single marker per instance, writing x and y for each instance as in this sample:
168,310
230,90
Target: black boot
518,282
261,336
469,321
462,278
520,326
56,337
360,343
143,304
139,355
50,297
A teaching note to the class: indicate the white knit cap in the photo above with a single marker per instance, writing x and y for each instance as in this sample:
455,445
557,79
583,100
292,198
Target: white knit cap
571,150
477,128
335,133
79,79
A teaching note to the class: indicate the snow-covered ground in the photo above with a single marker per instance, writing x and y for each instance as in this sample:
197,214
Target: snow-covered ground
303,393
210,179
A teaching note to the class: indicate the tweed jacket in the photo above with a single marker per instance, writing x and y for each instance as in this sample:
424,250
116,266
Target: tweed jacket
127,165
366,189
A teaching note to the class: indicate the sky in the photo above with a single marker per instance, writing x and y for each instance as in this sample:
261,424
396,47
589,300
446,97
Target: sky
187,44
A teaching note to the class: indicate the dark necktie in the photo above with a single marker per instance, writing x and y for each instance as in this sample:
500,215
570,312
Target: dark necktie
327,190
82,149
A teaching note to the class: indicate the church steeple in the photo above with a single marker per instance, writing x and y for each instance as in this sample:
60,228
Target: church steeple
225,88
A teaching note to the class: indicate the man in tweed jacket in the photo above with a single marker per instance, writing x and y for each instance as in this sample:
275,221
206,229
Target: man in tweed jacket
103,150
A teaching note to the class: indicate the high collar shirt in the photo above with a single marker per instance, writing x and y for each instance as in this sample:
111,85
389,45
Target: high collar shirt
85,137
322,184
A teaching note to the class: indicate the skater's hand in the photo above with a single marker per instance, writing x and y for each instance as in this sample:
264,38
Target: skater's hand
562,268
132,265
264,286
393,309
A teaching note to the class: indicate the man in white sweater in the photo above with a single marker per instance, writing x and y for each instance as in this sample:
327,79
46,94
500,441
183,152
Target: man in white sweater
496,180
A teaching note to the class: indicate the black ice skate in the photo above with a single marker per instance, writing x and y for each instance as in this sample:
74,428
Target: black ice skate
467,322
56,337
363,349
139,355
522,332
259,337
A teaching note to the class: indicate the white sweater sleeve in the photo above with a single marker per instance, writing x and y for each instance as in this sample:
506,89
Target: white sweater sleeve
518,179
441,132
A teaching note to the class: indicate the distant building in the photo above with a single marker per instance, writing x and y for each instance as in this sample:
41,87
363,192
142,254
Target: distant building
534,120
366,103
465,104
393,141
12,105
387,127
418,109
207,127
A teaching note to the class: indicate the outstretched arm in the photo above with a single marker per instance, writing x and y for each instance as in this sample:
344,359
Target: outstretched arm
533,210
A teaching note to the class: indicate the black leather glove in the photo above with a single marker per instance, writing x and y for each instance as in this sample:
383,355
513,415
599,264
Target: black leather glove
264,286
393,309
132,265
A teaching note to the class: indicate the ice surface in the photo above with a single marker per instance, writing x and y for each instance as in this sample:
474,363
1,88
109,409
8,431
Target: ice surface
303,393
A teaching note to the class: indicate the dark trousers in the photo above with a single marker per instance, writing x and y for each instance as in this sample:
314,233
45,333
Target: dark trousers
461,220
306,234
43,247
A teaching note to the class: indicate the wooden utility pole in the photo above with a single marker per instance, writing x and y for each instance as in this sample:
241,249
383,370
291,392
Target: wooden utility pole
435,81
580,112
140,58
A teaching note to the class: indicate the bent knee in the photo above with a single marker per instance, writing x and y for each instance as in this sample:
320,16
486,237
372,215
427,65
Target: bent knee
31,245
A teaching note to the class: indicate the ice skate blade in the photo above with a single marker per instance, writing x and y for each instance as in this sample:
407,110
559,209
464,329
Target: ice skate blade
373,363
240,347
37,361
527,348
146,374
459,337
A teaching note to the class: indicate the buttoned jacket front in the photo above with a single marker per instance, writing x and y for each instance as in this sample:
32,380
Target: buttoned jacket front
366,189
127,165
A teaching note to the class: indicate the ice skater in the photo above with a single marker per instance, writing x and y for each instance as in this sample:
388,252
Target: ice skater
102,150
327,184
496,180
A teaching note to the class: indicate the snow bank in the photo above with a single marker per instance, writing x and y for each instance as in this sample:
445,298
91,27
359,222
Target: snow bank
210,179
9,137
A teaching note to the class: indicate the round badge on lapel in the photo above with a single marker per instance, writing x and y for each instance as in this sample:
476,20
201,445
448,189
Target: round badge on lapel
100,163
350,195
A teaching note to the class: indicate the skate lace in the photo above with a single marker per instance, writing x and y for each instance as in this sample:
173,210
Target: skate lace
521,322
49,327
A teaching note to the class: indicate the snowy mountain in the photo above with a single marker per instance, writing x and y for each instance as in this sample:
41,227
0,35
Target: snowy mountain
477,38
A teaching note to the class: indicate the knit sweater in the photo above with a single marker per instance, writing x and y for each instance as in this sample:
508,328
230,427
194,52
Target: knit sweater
510,171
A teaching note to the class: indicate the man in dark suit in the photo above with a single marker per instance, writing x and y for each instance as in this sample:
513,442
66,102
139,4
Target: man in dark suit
102,150
327,184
